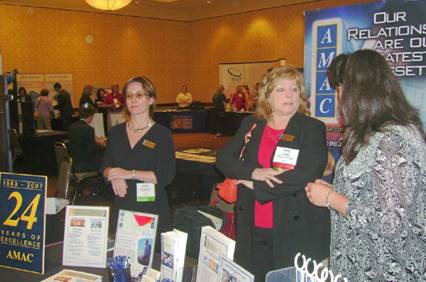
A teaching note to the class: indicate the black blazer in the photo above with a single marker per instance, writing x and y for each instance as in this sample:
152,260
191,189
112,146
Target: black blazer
83,148
298,225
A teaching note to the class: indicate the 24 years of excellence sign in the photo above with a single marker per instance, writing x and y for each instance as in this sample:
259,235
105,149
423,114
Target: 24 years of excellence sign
22,221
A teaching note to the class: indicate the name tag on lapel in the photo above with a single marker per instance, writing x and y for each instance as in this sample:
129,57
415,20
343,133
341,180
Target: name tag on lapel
149,144
287,137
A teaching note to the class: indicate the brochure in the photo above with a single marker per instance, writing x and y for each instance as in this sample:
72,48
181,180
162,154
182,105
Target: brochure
85,237
68,275
173,247
230,271
135,238
213,244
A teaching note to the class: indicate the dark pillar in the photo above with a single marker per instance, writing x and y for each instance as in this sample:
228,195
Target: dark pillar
5,153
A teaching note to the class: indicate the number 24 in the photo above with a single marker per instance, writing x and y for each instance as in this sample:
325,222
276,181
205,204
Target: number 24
30,219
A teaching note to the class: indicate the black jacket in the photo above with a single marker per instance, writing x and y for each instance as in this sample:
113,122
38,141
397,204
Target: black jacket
298,225
83,148
64,104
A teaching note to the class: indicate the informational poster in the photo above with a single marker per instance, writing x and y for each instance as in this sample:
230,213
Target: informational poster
135,238
22,221
37,82
213,244
86,236
232,75
394,28
31,82
230,271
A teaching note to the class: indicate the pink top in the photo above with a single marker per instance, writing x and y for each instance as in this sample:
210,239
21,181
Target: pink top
43,106
239,101
263,213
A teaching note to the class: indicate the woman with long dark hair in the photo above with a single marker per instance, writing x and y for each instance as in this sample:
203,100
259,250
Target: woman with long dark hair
378,198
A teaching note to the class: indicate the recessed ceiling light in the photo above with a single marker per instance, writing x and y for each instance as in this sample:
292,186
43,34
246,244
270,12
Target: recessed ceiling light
166,1
208,1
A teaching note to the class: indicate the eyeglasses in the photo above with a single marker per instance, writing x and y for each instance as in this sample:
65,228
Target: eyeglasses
138,96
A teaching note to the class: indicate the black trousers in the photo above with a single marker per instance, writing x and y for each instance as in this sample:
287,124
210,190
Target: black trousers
263,256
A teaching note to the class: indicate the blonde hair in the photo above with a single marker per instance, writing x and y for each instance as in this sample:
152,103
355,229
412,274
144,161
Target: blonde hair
268,84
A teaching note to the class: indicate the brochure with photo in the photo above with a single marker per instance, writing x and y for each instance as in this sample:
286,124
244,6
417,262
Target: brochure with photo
173,248
135,238
213,244
85,236
229,271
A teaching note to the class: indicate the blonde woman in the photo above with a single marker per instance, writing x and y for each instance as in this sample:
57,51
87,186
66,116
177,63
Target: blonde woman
287,149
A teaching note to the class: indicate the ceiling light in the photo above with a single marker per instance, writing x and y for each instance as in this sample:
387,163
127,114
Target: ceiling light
108,4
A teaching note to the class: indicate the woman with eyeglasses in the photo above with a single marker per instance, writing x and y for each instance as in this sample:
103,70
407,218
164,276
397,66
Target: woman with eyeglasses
139,160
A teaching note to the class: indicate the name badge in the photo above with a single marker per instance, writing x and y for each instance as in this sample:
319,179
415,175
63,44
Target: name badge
288,137
285,158
145,192
149,144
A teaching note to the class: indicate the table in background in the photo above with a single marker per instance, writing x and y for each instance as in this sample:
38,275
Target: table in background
230,123
183,121
39,153
195,176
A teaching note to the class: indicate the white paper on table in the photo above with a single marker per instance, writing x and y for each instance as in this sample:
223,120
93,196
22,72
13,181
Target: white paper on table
73,276
212,245
173,248
85,236
230,271
135,238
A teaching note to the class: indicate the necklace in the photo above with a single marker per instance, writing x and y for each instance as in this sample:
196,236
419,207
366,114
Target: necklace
140,129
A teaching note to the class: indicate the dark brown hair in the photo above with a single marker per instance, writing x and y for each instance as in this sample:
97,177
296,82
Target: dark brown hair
336,69
372,98
149,89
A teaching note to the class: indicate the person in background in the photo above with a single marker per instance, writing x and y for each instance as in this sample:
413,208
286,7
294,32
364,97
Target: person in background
86,153
22,95
100,97
184,98
64,105
115,99
219,103
43,110
86,97
378,196
33,96
239,99
275,220
140,157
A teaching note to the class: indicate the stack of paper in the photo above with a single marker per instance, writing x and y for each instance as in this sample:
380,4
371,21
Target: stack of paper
173,247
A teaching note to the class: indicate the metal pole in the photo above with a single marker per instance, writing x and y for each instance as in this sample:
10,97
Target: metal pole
6,163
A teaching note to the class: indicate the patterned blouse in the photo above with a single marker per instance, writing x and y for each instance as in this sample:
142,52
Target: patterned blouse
383,236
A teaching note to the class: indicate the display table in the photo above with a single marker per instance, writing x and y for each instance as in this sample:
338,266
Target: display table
53,264
195,176
232,121
39,152
182,121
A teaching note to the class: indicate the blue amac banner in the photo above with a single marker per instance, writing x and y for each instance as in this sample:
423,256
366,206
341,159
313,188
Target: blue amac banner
22,221
394,28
